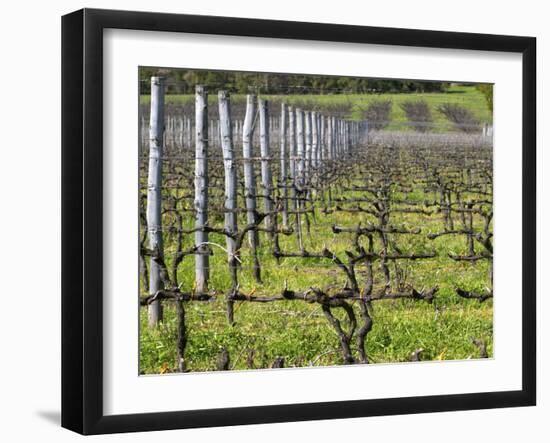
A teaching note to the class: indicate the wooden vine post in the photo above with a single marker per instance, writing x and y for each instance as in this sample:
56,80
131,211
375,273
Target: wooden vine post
300,149
267,178
250,180
299,181
154,198
230,171
314,140
330,145
201,187
284,172
308,153
293,171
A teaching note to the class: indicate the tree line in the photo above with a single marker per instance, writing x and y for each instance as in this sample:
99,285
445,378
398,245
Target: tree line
183,81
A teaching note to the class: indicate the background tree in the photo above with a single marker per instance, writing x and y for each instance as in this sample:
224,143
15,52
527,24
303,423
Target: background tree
487,91
183,81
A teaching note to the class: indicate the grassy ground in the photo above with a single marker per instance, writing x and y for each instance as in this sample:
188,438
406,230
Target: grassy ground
467,96
299,332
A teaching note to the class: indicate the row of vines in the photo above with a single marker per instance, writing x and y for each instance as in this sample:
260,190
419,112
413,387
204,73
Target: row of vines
354,216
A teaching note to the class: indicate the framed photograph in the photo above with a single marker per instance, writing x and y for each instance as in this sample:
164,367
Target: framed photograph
269,221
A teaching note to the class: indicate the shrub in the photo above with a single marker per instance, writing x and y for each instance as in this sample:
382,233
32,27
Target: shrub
418,112
378,114
462,118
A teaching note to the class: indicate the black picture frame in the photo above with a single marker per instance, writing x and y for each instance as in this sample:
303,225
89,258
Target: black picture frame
82,190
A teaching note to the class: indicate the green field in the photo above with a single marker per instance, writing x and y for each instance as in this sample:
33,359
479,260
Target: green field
467,96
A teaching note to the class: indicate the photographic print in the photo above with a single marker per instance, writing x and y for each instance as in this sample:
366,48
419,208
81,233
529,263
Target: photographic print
295,221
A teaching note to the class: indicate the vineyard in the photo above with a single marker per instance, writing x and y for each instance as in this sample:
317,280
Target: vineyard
277,233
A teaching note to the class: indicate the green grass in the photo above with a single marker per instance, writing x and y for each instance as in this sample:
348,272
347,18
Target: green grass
299,332
467,96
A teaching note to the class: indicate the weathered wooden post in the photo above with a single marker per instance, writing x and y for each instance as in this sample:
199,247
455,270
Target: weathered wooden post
154,198
314,139
339,143
342,138
299,173
300,147
337,136
292,143
345,136
230,171
201,187
322,138
330,141
307,116
322,153
189,133
308,154
351,134
142,133
293,172
167,131
267,178
180,133
321,130
334,138
343,129
211,133
284,173
250,180
173,129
